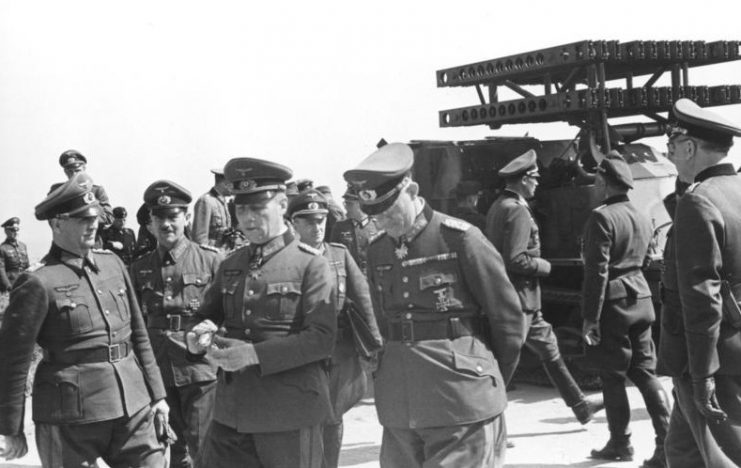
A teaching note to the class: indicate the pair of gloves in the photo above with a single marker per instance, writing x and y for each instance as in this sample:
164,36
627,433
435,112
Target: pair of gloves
227,353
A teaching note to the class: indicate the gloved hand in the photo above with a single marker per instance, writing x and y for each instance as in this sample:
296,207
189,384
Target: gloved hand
590,332
232,355
117,245
199,338
703,394
15,447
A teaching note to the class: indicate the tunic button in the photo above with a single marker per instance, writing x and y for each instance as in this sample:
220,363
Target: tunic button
168,279
410,306
107,312
438,280
198,281
99,292
248,312
408,316
247,331
479,369
379,287
169,298
114,334
73,305
406,294
405,279
284,289
250,292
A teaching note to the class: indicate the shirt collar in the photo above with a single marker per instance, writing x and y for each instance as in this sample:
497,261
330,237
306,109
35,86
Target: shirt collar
616,199
73,261
175,252
420,222
275,244
714,171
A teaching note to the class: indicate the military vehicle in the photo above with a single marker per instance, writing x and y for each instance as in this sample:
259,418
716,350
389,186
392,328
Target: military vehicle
588,84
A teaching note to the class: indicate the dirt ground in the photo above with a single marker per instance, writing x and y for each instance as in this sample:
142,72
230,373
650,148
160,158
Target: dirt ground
542,428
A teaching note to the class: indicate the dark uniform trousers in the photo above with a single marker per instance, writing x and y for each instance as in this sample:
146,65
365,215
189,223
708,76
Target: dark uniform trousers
347,379
92,391
696,338
170,286
615,293
454,329
278,297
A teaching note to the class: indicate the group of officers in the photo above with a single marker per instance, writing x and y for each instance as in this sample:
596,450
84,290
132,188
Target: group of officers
253,357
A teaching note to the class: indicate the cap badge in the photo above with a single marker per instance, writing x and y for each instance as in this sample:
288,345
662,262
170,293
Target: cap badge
243,172
164,200
248,184
88,198
313,206
70,160
367,195
311,195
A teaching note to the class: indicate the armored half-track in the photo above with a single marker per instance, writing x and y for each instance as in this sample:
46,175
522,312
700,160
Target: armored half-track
587,84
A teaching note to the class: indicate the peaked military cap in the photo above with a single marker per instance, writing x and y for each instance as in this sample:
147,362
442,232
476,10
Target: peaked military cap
467,187
165,194
526,163
693,120
308,202
380,177
324,190
217,171
254,180
71,158
614,168
350,193
120,212
304,184
291,188
72,199
12,222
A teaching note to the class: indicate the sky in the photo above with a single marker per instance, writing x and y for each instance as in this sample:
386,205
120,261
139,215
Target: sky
167,90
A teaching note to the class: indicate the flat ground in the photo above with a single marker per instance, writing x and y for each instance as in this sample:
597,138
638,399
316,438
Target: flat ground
541,426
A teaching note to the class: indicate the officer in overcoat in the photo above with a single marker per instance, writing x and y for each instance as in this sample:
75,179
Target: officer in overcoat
13,255
273,300
618,312
170,283
347,380
701,333
211,218
452,321
98,387
356,231
511,228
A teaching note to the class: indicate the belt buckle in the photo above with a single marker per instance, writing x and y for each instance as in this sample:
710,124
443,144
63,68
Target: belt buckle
407,331
114,353
175,321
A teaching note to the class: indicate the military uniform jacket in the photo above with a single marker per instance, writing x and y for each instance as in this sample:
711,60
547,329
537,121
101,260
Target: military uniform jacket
210,219
446,270
470,215
511,228
126,237
71,307
170,286
708,245
355,235
13,260
616,238
281,301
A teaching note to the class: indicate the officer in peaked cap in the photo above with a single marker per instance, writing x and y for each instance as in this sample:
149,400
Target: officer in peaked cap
74,162
13,254
118,238
304,184
285,288
356,230
309,211
441,293
467,193
336,213
98,380
701,334
72,159
618,311
512,228
170,283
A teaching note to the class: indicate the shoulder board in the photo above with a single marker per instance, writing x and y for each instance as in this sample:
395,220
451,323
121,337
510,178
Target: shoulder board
35,266
376,236
337,244
102,251
692,187
209,247
456,224
308,249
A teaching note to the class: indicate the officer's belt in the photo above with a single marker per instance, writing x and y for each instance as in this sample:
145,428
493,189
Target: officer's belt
445,328
172,322
112,353
614,273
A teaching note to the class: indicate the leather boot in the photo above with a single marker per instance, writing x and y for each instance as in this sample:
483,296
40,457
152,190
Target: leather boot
658,459
569,390
617,448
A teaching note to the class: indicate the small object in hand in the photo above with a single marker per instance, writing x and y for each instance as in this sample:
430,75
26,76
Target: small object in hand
205,339
164,431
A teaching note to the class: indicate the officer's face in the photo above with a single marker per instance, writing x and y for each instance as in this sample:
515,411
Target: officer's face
12,232
399,218
169,226
353,210
72,170
311,228
679,150
530,184
76,235
262,221
119,223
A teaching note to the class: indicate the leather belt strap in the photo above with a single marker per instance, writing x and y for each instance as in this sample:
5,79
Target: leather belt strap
172,322
112,353
408,331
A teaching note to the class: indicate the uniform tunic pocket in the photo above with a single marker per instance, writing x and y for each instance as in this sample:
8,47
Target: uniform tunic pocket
283,300
56,397
122,303
75,311
475,366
